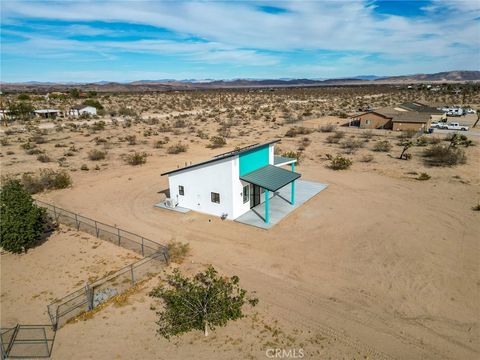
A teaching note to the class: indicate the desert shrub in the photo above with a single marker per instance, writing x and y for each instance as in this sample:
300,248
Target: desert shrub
178,251
294,155
177,148
304,143
202,302
28,145
327,128
38,139
136,158
34,151
335,137
201,134
434,140
366,158
351,145
44,158
368,134
382,145
476,207
217,142
124,111
22,221
47,179
339,162
297,130
98,126
131,139
4,141
159,143
423,176
84,167
421,141
96,155
180,123
441,155
408,134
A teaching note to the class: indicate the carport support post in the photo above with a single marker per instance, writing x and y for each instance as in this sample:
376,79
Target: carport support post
266,205
293,167
292,195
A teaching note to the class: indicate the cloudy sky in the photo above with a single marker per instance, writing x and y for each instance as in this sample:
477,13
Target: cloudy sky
132,40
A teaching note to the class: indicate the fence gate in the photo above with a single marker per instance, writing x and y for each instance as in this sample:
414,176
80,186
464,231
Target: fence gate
27,341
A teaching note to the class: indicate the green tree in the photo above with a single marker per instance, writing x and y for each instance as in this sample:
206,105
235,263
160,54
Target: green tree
201,303
95,103
22,222
74,93
23,97
21,110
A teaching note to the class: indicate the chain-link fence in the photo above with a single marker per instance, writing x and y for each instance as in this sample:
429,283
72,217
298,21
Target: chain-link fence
99,291
27,341
120,237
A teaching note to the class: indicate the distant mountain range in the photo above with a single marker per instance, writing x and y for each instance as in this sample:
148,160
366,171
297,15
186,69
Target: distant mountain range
171,84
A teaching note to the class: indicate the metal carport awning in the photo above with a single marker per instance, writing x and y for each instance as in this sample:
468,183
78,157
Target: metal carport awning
270,177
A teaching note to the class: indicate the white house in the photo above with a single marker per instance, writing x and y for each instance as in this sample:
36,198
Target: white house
47,113
232,183
82,109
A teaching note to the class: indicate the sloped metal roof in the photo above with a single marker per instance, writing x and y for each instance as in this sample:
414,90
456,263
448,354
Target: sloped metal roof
270,177
282,160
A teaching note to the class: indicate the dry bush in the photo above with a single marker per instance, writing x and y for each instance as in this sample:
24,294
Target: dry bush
368,134
339,162
96,155
136,158
47,179
327,128
423,176
297,130
294,155
366,158
44,158
441,155
178,251
351,145
177,148
335,137
216,142
158,144
382,146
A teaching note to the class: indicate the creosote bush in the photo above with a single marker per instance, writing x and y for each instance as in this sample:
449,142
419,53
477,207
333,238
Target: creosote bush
177,148
217,142
178,251
47,179
22,221
96,155
423,176
442,155
335,137
297,130
327,128
339,162
382,145
351,145
136,158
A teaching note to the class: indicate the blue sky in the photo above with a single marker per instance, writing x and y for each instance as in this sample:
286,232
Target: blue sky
85,41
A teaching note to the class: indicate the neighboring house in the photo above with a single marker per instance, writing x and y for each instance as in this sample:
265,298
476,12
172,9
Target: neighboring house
82,109
391,117
230,184
376,119
411,120
47,113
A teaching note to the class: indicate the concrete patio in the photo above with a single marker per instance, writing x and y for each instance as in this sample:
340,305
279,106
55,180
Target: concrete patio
279,204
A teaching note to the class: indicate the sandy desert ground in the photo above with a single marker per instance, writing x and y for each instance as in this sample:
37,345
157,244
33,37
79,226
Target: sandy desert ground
378,266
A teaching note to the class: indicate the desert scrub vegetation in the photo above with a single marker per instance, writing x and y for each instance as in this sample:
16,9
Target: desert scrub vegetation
339,162
44,158
96,155
22,222
297,130
298,155
442,155
216,142
46,179
382,146
335,137
158,144
177,148
178,251
366,158
423,177
327,128
136,158
351,145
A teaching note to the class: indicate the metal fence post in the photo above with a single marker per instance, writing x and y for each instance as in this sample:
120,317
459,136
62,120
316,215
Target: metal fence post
131,271
55,213
118,232
96,228
89,294
76,220
142,248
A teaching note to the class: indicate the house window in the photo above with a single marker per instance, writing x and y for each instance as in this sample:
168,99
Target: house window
246,193
215,197
181,190
368,122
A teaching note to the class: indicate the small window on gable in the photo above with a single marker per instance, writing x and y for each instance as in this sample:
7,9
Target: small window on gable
215,197
368,122
181,190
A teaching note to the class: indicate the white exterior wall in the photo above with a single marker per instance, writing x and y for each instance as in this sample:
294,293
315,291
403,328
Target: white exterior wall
198,184
271,154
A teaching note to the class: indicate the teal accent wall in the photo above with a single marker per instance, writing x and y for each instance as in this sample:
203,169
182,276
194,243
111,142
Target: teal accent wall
252,160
